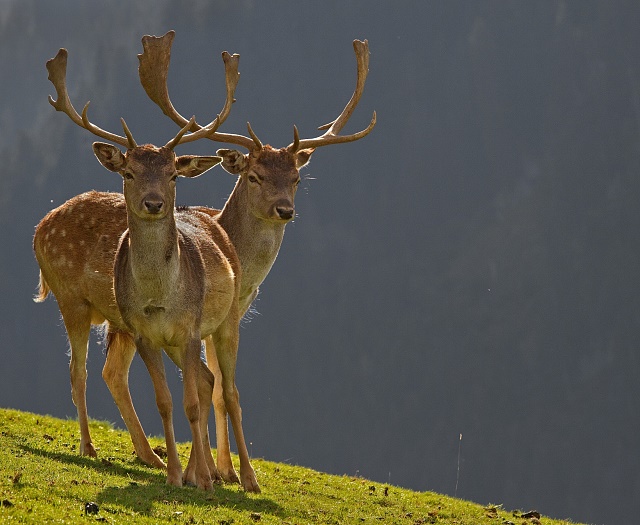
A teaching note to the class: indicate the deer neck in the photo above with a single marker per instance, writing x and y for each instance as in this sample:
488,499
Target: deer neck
257,241
154,256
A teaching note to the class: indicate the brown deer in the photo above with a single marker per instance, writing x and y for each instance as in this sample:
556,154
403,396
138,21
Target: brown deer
262,202
254,217
174,279
189,285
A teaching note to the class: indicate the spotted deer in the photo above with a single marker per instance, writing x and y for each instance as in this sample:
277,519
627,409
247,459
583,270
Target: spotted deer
175,277
255,216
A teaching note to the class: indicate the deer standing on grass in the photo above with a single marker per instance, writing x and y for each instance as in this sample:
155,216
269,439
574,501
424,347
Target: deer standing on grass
173,281
176,278
255,215
262,202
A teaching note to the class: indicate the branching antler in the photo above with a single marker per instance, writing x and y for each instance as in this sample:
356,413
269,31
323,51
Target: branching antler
333,128
57,68
153,71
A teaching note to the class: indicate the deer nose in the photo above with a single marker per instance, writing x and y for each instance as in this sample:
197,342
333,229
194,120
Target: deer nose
285,212
153,206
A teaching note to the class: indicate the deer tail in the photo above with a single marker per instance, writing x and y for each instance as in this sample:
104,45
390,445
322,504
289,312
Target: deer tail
43,289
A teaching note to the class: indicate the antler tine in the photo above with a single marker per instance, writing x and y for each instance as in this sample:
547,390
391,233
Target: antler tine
154,69
256,141
178,138
132,143
232,76
57,68
331,136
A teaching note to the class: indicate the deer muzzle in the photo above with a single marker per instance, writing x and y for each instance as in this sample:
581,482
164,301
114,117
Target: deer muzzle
284,210
153,204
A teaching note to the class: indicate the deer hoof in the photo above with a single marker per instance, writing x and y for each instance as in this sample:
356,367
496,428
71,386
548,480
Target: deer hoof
87,449
230,476
250,484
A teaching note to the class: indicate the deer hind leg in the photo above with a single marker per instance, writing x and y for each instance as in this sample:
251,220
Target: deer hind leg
77,321
225,466
226,343
152,358
120,351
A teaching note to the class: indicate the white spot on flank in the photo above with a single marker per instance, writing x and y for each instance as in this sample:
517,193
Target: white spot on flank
63,233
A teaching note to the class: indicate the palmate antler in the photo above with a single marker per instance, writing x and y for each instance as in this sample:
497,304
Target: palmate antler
57,68
154,68
153,71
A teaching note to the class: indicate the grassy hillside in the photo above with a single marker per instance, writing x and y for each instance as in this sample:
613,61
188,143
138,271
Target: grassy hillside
43,480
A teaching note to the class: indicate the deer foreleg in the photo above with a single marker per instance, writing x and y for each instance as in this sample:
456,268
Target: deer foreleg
115,373
205,385
195,384
152,358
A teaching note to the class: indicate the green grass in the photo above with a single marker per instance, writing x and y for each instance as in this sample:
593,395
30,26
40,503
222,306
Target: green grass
44,480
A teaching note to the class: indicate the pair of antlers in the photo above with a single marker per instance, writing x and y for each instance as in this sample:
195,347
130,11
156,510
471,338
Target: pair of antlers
153,71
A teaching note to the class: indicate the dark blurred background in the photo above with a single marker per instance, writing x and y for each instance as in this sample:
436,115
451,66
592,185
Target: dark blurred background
471,267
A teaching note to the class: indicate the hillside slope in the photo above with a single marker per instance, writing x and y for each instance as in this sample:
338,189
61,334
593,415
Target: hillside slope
43,480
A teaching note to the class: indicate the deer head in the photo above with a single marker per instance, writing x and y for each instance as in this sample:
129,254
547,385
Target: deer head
271,176
149,175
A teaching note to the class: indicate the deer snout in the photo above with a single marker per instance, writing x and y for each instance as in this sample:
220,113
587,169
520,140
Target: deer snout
153,205
285,211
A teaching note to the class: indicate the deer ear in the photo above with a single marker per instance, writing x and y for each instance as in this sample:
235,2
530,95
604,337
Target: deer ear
109,156
194,166
233,161
303,156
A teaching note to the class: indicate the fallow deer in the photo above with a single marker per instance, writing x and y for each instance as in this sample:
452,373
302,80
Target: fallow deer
262,202
195,258
255,215
174,279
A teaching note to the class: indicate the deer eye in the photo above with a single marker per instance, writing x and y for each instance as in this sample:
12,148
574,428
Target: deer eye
254,179
128,175
173,177
297,182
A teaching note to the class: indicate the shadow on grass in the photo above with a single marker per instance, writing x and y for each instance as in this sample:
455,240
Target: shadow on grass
140,473
147,488
143,498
